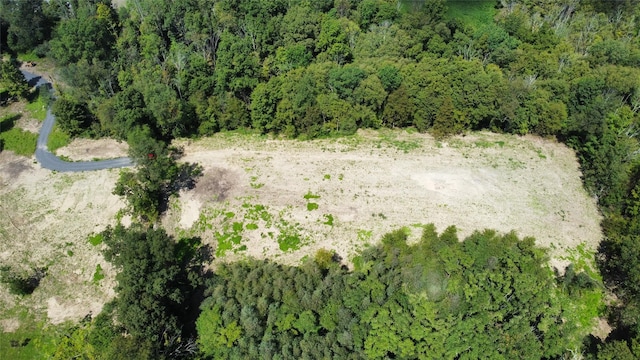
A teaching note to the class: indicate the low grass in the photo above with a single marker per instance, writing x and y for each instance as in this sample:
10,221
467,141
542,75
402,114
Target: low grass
37,106
30,56
32,340
57,139
19,141
96,239
477,14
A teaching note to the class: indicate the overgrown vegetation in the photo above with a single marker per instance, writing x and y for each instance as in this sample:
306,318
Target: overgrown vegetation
20,141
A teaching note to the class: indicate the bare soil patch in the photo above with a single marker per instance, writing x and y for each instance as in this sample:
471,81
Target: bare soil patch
88,150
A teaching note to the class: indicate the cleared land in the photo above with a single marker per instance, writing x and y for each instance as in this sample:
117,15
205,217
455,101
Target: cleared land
346,193
286,199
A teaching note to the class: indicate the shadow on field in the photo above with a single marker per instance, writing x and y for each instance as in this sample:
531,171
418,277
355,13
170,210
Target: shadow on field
8,122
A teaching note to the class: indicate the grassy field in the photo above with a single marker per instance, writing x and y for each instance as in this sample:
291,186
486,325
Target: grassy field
31,340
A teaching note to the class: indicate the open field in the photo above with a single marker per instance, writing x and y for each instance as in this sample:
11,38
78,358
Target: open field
258,197
286,199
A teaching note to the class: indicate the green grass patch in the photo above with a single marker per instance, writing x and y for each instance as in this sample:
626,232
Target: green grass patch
251,227
98,274
310,196
30,56
34,339
389,138
237,226
96,239
312,206
57,139
38,105
19,141
328,219
287,242
477,14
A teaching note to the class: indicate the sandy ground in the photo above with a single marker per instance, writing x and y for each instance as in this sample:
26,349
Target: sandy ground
367,185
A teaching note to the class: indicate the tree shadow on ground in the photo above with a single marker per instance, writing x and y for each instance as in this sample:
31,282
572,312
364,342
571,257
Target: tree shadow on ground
8,122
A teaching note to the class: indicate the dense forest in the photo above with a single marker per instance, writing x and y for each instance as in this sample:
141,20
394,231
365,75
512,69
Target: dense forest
156,70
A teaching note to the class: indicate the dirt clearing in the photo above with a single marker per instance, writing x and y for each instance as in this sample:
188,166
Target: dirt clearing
45,221
258,197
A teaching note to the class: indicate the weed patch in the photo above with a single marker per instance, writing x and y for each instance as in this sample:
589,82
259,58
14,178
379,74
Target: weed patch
57,139
98,274
309,196
96,239
19,141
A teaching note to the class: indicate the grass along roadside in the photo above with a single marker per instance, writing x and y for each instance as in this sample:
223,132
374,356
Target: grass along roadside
38,104
57,139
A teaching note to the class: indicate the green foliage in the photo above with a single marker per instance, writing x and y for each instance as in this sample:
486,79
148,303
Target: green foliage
488,296
20,141
325,68
72,117
12,82
28,23
69,44
57,139
158,176
156,281
473,13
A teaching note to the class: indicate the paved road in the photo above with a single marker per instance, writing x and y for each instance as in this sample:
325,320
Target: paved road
48,160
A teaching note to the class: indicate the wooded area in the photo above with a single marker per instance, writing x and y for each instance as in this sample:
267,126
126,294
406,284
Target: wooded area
156,70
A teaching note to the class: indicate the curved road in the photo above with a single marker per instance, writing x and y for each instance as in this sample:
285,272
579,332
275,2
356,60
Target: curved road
47,159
